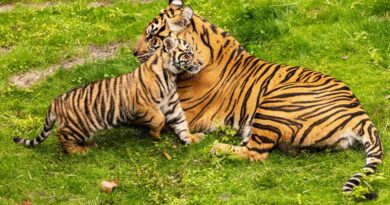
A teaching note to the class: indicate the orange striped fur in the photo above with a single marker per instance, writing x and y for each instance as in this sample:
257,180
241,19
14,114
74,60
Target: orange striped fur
270,104
146,96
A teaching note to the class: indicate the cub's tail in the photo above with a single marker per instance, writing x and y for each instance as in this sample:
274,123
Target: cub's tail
49,124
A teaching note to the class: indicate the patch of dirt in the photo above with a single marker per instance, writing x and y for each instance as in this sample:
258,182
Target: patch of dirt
96,52
26,80
4,50
98,4
146,1
42,5
9,7
6,8
39,6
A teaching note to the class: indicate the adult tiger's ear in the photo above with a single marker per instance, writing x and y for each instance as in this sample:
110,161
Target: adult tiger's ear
177,25
169,44
188,13
179,3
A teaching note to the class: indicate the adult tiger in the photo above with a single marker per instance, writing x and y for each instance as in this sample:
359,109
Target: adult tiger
268,103
146,96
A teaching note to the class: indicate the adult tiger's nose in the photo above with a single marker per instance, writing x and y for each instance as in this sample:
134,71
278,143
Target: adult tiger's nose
135,52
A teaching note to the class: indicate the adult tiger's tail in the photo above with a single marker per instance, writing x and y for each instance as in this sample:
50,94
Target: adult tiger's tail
49,124
374,152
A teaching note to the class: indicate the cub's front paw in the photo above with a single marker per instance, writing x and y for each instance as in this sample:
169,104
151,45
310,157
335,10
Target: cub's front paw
194,138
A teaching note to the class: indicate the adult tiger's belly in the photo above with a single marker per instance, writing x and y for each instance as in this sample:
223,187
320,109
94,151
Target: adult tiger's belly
207,108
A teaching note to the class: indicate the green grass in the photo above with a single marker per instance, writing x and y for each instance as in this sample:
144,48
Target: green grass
314,34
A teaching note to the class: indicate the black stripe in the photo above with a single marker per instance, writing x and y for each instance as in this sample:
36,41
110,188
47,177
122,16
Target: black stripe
354,181
261,151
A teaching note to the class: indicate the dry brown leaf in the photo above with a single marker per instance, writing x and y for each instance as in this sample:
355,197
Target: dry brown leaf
107,186
26,202
166,155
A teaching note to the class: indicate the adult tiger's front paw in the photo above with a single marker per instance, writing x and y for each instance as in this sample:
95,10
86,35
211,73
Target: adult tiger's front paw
194,138
236,151
221,149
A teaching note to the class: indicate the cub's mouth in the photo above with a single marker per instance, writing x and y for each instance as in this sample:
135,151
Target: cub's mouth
193,69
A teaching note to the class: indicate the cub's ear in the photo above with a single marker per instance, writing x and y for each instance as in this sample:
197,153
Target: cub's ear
169,44
179,3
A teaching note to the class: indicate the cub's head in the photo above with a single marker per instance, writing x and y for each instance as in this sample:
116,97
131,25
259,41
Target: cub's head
175,18
178,56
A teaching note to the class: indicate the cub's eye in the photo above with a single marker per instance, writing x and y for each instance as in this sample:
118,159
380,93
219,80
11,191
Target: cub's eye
187,56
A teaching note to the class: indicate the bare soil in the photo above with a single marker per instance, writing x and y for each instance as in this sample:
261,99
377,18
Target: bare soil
98,4
4,50
27,79
6,8
42,5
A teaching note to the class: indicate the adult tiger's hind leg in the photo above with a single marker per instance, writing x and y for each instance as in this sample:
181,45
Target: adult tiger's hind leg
268,131
257,145
265,136
254,148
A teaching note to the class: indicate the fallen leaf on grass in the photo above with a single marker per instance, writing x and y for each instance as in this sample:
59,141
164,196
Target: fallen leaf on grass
108,187
166,155
388,97
26,202
345,57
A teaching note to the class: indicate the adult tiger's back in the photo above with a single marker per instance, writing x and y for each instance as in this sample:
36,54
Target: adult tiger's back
268,103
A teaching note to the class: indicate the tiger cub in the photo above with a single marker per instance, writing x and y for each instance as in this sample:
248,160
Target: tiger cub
146,96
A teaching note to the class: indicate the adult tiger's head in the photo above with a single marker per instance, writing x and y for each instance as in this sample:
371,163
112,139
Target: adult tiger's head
178,56
175,18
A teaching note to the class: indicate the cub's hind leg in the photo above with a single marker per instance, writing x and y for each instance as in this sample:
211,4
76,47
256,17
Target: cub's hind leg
156,122
71,142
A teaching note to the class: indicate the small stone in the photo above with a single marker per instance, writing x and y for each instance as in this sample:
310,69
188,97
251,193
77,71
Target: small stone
345,57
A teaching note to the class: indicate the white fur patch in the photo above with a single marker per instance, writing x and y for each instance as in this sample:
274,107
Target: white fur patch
350,139
177,2
175,27
188,13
